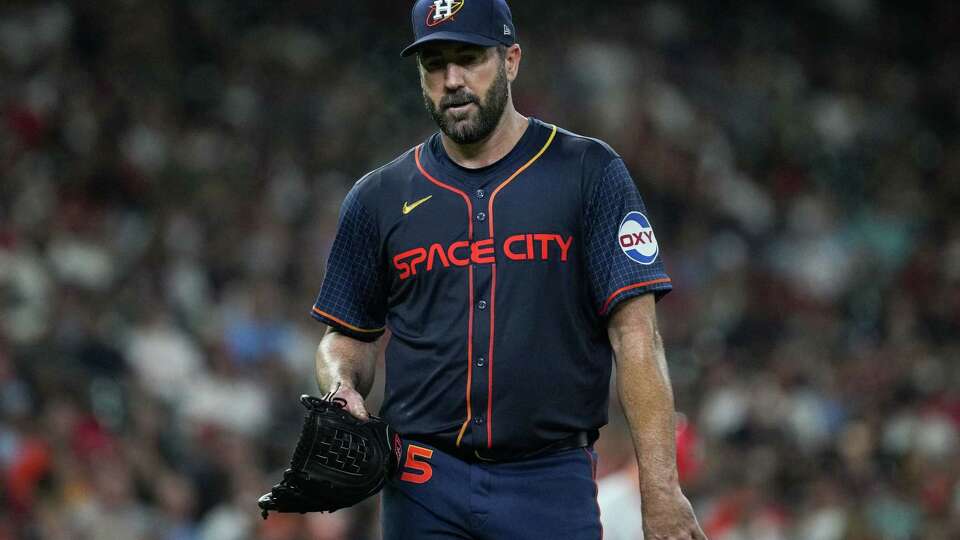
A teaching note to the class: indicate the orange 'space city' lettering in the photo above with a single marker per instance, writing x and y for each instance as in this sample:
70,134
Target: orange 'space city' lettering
519,247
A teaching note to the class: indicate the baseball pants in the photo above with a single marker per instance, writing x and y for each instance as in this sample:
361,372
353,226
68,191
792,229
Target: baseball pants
436,496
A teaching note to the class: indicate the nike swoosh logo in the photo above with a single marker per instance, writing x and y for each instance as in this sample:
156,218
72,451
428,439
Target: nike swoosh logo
407,208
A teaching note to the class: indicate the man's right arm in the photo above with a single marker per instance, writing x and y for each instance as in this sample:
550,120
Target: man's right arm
351,364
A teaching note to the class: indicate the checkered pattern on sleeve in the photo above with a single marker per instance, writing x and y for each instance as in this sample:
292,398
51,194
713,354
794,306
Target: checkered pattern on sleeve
353,296
614,277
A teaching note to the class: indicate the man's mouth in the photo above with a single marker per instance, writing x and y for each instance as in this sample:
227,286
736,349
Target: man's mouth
460,104
459,107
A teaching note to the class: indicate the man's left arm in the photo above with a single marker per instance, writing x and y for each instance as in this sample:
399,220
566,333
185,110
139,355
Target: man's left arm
643,384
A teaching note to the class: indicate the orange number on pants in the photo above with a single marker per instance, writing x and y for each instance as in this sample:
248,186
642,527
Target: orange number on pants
424,472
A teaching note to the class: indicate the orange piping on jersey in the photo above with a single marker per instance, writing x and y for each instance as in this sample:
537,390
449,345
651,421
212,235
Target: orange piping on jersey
463,428
346,324
448,188
553,134
493,285
606,304
466,422
493,303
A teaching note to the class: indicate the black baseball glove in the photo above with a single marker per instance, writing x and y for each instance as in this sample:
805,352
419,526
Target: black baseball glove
338,462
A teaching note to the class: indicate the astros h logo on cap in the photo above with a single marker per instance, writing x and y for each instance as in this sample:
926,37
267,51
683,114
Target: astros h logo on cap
486,23
443,10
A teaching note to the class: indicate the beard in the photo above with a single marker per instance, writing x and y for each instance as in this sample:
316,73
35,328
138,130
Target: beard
476,125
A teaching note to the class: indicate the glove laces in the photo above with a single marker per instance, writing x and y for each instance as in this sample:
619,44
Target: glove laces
329,397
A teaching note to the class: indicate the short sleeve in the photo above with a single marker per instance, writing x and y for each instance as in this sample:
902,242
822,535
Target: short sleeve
352,297
622,253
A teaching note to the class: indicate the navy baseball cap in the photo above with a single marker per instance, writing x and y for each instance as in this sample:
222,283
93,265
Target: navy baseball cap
487,23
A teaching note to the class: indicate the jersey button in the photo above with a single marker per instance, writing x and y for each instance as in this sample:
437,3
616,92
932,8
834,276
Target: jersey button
482,305
478,420
481,216
481,362
481,193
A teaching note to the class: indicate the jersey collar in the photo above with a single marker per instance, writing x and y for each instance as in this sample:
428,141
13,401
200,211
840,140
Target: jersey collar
436,158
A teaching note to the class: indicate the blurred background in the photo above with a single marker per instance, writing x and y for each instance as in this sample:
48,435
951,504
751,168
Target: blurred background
171,172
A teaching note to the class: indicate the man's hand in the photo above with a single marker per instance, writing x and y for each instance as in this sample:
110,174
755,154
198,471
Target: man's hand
670,517
355,405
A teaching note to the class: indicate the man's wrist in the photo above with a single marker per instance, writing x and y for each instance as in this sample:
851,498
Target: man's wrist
658,485
658,490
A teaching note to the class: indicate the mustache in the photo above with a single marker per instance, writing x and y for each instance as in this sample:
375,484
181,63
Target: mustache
458,99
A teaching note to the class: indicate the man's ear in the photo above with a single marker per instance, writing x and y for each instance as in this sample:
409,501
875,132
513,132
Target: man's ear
512,59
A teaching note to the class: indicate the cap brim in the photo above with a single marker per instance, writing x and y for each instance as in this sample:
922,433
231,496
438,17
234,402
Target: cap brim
463,37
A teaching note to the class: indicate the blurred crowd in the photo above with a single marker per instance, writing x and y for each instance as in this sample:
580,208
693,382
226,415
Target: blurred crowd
171,172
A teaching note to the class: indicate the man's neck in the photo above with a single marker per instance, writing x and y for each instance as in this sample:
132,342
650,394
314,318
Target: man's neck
498,144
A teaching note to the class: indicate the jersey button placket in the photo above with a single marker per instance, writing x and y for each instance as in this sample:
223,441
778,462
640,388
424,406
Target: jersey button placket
481,332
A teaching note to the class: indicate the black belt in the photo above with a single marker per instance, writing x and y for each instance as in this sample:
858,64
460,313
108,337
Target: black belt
581,439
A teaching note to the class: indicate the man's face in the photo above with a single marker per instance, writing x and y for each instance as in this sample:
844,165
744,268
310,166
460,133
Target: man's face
465,89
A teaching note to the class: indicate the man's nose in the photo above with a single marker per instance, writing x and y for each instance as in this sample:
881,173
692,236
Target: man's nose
453,77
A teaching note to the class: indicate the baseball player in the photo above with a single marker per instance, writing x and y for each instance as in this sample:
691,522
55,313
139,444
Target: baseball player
511,261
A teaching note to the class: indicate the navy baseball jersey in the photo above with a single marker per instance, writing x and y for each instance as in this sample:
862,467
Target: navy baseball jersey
496,284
